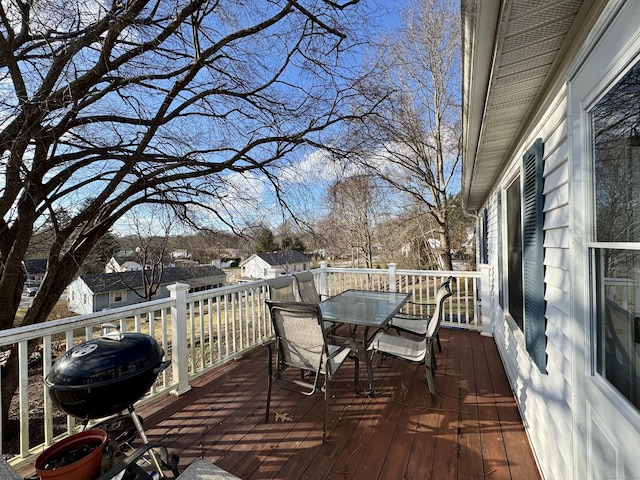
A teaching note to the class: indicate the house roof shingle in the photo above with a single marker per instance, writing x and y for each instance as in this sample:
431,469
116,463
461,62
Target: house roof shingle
106,282
35,266
284,257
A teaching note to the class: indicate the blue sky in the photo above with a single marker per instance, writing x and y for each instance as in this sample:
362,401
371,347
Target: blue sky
250,195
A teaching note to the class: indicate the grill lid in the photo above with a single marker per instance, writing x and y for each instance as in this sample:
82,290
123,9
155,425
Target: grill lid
105,359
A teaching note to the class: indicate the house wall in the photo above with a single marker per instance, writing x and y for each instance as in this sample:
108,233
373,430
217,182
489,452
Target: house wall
79,297
256,267
544,399
607,424
579,426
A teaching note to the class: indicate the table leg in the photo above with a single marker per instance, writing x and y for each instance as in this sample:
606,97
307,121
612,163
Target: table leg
367,361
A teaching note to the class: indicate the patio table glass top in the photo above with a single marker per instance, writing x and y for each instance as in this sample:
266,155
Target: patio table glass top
363,307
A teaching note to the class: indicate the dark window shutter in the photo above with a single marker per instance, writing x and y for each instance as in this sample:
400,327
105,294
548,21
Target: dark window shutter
484,254
533,255
500,267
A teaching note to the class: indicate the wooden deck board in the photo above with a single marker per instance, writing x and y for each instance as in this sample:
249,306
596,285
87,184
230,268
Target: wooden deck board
473,432
386,450
446,448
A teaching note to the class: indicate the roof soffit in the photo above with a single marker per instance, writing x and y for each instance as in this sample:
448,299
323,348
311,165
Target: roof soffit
530,37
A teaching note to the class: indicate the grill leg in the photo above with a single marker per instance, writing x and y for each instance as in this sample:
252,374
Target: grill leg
143,436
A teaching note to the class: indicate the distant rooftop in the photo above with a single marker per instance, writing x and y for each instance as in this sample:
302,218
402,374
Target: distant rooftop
284,257
105,282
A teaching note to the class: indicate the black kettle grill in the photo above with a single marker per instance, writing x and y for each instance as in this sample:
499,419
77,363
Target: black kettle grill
105,375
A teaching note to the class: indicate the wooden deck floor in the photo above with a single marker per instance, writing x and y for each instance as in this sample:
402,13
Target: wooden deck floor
474,432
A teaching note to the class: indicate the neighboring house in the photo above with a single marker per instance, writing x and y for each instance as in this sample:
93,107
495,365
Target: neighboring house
180,254
270,265
123,262
96,292
226,262
34,270
551,166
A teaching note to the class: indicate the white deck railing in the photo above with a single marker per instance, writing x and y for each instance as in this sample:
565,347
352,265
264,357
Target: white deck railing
197,332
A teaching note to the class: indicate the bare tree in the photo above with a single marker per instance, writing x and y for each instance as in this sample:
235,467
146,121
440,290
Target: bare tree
355,205
149,245
414,143
150,102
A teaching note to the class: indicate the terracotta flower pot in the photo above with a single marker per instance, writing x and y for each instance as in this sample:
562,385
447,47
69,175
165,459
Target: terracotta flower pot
85,452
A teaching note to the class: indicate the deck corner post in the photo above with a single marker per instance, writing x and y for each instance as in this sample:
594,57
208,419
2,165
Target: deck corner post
485,298
179,345
392,277
322,286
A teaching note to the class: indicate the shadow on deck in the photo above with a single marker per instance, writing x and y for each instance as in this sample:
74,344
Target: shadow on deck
474,431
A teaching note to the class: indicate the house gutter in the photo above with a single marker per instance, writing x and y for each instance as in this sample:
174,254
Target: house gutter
480,24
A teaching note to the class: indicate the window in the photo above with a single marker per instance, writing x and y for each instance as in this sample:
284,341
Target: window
500,254
514,256
525,259
615,245
118,296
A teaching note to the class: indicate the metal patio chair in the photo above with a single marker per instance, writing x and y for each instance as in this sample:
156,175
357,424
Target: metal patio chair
7,472
304,361
415,317
416,350
136,466
306,287
307,292
281,289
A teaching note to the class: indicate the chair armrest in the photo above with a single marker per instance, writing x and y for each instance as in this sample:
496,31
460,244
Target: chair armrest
408,311
422,304
413,317
348,344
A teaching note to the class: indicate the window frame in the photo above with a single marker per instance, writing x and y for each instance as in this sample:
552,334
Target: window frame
594,248
114,298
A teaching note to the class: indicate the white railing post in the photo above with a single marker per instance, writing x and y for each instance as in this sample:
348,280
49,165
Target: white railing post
392,276
485,299
179,346
322,287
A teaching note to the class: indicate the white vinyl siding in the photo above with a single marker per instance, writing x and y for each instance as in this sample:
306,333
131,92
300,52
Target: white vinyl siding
545,400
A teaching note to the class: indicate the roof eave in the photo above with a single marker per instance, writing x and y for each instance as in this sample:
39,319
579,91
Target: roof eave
480,21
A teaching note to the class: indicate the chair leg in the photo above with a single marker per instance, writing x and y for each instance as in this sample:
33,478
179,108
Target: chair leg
357,374
434,362
429,371
438,341
373,353
326,408
269,381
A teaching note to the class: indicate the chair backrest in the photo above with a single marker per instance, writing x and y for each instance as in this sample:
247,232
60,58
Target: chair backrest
306,287
442,294
281,289
299,334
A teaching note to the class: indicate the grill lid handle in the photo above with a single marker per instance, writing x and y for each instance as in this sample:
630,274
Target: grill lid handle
111,331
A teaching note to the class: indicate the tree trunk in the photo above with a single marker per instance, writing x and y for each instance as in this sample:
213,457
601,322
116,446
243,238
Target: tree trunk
9,373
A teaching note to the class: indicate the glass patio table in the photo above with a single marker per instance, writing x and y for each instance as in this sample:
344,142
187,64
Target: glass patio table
363,308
